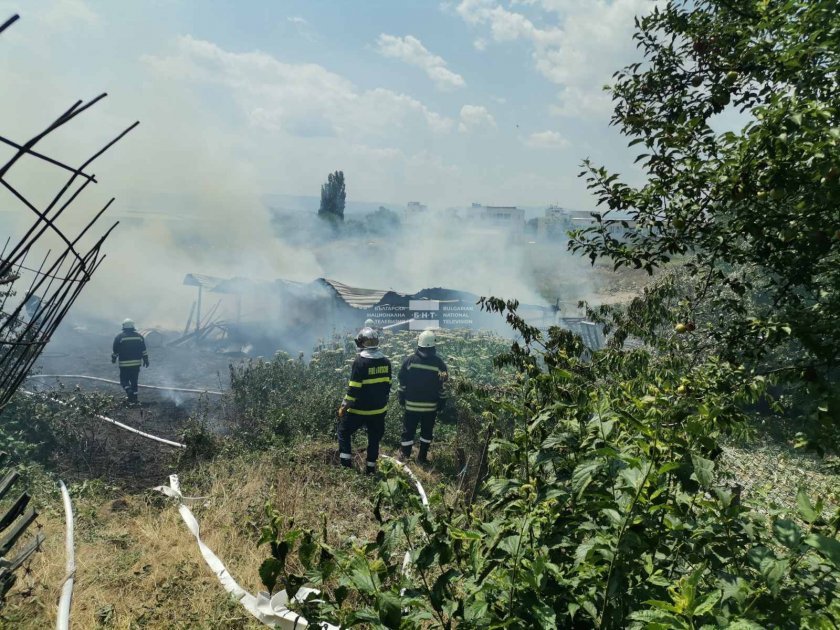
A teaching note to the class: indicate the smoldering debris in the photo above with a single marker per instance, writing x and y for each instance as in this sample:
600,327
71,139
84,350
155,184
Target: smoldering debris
294,316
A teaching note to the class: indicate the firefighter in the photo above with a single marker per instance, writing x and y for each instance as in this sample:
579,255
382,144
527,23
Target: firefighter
366,400
421,392
130,349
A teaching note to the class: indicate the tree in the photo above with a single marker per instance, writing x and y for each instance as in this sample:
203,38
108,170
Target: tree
333,196
754,212
606,505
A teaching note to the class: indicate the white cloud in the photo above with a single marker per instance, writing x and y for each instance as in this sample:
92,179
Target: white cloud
296,19
546,140
475,117
64,15
304,100
480,44
591,39
411,50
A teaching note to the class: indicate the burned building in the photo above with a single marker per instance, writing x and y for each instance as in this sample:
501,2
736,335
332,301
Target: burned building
294,316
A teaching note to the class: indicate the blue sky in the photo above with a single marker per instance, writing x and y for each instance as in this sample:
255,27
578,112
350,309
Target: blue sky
494,101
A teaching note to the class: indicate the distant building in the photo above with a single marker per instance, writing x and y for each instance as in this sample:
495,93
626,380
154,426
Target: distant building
508,218
554,224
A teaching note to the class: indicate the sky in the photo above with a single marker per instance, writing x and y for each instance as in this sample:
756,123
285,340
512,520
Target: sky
489,101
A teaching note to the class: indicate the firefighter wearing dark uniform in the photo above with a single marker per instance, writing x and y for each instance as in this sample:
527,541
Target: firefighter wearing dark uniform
130,350
422,378
366,400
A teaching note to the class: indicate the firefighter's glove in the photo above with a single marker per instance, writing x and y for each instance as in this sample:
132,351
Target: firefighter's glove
145,361
342,410
113,358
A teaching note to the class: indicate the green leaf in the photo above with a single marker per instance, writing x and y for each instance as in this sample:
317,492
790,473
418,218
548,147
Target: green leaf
707,604
613,516
362,577
787,532
270,571
806,510
461,534
828,547
390,609
704,470
583,475
475,611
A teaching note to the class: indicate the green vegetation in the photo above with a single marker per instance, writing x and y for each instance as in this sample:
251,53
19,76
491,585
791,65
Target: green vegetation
333,198
617,490
606,505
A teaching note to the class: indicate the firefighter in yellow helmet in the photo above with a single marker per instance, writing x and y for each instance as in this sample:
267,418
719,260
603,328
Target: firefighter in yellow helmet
422,394
366,400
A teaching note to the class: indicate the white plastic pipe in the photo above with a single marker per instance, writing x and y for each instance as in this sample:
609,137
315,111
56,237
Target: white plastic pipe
120,424
272,611
106,380
63,620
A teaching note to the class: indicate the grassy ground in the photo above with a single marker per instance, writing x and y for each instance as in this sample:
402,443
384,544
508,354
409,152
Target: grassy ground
771,472
137,564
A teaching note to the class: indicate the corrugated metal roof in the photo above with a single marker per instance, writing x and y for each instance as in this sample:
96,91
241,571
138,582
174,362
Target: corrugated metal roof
354,296
202,280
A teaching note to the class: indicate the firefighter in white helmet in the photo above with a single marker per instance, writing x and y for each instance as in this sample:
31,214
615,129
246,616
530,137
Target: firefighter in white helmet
366,400
422,378
130,349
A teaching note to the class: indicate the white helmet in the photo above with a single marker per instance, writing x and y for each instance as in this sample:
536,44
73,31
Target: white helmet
128,324
426,339
367,338
369,323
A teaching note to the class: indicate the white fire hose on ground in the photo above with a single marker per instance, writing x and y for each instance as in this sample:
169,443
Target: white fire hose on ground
119,424
106,380
271,610
63,620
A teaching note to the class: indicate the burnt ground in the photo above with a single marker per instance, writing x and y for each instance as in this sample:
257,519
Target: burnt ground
101,450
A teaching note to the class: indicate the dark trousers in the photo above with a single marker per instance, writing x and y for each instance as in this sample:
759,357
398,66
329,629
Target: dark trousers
352,422
128,380
426,420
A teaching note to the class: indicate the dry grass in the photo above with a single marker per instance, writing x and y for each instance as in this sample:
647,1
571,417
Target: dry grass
138,566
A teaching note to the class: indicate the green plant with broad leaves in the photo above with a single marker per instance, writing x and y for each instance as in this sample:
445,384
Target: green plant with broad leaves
605,505
735,109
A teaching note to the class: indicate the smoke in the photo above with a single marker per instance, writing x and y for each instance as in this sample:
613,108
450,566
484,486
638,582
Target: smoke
189,201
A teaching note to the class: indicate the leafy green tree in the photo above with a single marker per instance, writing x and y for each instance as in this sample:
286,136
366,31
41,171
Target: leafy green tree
606,505
753,211
333,197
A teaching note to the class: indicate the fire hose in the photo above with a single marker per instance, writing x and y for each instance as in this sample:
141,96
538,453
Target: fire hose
118,424
105,380
63,620
271,610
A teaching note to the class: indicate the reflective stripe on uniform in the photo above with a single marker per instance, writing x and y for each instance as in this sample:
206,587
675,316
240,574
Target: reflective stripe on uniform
131,339
425,441
407,443
350,398
367,412
420,409
371,381
130,363
346,456
420,403
423,366
355,384
371,464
